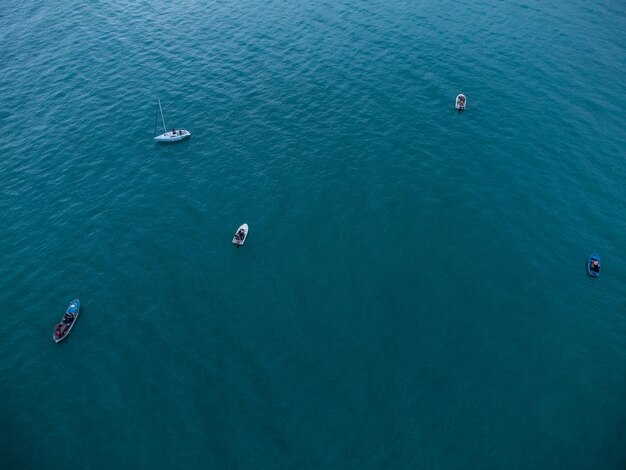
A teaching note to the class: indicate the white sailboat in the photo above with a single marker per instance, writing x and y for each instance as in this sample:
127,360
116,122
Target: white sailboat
170,136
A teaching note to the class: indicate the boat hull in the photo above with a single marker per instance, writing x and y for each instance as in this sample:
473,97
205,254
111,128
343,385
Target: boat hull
173,136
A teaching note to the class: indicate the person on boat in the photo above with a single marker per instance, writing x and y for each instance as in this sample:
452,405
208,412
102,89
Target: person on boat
595,267
173,131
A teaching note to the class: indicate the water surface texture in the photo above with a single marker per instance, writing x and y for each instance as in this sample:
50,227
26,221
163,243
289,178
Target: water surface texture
413,291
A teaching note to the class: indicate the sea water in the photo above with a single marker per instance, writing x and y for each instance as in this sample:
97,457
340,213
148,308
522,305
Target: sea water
413,290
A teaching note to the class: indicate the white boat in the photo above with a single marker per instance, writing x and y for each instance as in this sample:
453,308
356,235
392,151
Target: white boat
461,102
169,136
240,235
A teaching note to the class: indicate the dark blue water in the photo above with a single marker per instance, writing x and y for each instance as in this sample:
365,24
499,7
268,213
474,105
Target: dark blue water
413,291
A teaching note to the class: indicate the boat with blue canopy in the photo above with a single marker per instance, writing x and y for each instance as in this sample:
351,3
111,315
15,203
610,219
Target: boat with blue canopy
67,322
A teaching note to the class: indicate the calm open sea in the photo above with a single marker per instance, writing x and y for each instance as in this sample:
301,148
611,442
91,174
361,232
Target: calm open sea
413,291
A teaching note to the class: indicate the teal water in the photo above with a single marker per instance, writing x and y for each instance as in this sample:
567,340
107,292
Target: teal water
413,291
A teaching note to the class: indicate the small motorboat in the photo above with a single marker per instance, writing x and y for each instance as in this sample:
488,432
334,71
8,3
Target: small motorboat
67,322
461,102
240,235
594,265
172,136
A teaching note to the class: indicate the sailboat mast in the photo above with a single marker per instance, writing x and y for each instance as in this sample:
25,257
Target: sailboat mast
162,118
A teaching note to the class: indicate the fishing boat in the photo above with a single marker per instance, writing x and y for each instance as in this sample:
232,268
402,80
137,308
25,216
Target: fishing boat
240,235
67,322
594,265
174,135
460,102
